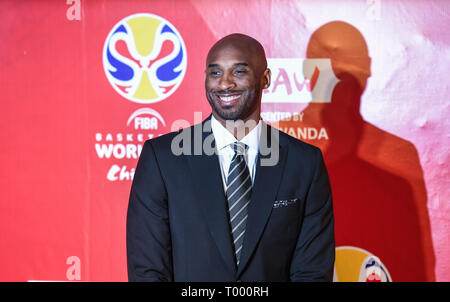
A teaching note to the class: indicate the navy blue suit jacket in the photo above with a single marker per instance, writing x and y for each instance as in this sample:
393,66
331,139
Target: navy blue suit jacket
177,225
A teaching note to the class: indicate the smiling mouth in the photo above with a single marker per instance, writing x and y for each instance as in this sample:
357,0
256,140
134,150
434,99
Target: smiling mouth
228,99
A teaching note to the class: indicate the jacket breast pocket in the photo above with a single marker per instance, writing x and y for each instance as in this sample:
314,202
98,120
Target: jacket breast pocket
287,213
285,203
285,220
287,210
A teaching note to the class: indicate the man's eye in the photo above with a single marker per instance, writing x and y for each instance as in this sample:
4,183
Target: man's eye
240,71
214,73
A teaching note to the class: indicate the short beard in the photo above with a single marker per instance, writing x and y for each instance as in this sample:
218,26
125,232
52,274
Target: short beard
245,109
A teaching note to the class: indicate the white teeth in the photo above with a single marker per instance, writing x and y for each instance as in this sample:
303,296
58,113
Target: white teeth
229,98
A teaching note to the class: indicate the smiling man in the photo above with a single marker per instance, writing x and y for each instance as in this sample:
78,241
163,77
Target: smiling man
232,214
235,76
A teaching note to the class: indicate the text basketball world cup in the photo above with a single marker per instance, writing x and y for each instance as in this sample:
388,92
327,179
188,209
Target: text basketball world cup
144,58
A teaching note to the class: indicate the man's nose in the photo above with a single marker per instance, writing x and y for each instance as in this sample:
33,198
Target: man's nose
226,82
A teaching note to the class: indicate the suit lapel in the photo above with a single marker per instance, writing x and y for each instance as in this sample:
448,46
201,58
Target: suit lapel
205,170
265,188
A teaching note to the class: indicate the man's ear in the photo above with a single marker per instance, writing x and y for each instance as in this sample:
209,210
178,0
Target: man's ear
266,78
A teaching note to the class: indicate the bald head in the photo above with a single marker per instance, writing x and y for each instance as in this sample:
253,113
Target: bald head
236,73
250,48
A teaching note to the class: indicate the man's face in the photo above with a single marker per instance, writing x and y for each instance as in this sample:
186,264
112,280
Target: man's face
233,84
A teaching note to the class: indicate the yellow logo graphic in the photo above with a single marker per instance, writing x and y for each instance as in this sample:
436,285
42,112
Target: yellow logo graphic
354,264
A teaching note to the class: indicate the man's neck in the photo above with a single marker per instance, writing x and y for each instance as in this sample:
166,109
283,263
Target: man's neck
239,128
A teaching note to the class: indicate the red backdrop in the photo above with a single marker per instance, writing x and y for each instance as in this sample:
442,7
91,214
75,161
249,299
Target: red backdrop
366,81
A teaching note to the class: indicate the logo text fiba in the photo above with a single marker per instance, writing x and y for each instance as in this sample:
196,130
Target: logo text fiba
144,58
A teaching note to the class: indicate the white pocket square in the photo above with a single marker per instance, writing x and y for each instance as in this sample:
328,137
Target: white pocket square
284,202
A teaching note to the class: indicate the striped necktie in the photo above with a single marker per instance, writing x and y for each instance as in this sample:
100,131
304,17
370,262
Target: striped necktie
239,189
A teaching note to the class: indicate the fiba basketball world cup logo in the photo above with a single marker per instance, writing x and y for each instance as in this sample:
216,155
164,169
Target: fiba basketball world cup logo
144,58
354,264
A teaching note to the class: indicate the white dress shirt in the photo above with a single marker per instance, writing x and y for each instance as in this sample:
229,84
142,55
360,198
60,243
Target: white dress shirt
224,144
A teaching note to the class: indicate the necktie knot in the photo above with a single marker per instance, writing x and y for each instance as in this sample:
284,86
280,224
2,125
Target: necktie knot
239,148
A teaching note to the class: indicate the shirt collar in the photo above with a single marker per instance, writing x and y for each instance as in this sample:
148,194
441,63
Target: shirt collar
223,137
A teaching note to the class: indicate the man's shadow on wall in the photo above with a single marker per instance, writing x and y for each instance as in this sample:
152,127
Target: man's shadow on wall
377,181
